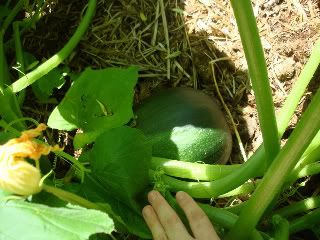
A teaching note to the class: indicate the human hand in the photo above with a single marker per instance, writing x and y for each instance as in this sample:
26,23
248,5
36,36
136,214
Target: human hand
165,224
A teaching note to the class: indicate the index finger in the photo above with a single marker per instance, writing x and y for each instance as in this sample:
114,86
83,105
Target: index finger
199,222
168,218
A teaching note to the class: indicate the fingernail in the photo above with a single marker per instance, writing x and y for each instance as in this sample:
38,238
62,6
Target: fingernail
145,211
152,195
180,195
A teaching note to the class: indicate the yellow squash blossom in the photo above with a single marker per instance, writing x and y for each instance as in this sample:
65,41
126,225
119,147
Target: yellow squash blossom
16,174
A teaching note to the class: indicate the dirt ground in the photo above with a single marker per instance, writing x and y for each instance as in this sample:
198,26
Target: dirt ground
180,50
288,30
181,42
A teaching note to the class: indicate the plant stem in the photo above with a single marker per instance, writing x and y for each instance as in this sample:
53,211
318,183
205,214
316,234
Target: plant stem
259,76
216,215
9,110
309,170
254,164
281,227
56,59
11,16
299,88
75,162
276,175
19,58
299,207
199,189
305,222
70,197
307,165
4,73
194,171
225,219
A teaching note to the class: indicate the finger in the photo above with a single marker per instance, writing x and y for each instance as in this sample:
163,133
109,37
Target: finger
153,223
170,221
199,222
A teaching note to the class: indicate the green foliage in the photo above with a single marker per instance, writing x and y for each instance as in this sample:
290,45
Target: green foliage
120,162
4,11
5,136
126,219
116,177
98,100
36,221
44,86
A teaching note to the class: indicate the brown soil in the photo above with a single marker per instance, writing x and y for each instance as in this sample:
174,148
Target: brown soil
288,30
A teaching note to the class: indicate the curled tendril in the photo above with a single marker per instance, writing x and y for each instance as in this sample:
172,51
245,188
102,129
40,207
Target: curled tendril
159,185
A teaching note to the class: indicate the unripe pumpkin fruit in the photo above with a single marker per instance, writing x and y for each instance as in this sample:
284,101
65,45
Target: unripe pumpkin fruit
185,124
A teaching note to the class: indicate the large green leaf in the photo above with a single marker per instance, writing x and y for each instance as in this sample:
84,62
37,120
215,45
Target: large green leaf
126,219
120,161
30,221
97,100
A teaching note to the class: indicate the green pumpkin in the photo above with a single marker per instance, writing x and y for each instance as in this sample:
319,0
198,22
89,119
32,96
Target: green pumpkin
185,124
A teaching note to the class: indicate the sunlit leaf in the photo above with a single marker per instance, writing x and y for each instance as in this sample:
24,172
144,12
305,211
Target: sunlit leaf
98,100
36,221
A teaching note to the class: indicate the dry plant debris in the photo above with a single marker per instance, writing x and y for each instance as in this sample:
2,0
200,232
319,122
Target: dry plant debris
174,43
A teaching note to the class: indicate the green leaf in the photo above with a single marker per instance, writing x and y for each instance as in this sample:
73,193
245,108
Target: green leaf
98,100
36,221
120,164
126,220
44,86
4,11
6,136
121,158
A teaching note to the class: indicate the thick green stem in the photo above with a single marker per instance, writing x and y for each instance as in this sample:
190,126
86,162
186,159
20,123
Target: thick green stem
224,218
276,175
255,164
70,197
217,216
281,227
194,171
309,170
307,165
259,76
55,60
299,88
305,222
199,189
299,207
19,58
11,16
9,109
4,72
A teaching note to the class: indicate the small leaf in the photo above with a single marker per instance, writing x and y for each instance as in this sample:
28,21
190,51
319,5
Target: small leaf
36,221
112,88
